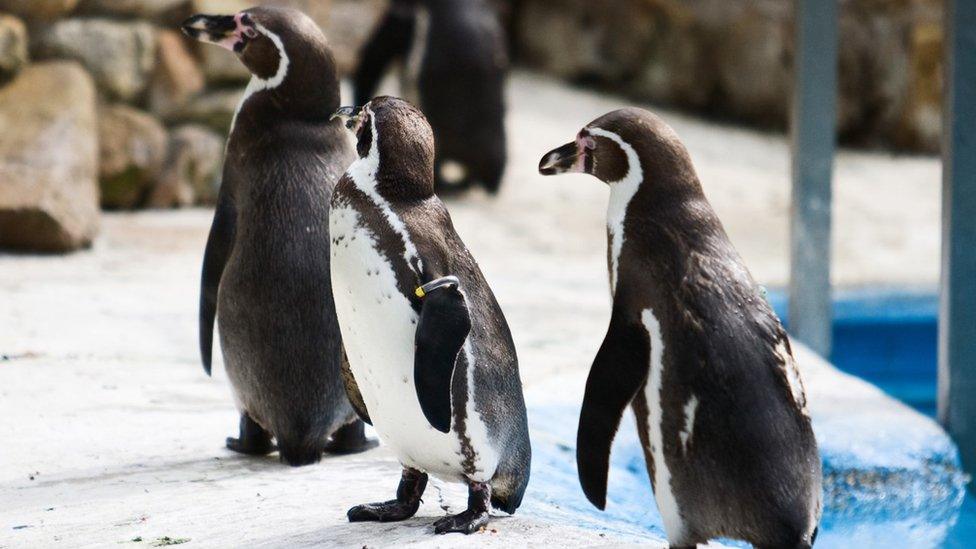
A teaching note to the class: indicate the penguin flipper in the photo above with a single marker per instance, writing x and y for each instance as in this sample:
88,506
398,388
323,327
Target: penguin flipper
352,390
618,371
220,242
443,326
390,39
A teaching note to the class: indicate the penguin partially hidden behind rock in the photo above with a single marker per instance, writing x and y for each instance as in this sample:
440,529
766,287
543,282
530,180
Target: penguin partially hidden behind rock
433,363
694,349
266,265
454,61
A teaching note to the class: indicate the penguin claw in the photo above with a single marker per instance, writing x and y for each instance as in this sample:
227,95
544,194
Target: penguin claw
387,511
467,522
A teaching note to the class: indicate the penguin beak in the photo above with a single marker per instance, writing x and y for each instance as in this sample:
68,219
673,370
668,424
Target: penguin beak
351,117
565,159
227,31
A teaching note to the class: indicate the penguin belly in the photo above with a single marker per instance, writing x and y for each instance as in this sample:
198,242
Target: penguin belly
378,327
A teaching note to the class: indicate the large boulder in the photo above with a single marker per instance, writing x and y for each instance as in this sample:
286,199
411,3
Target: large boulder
734,59
119,54
13,46
48,159
176,78
192,170
132,149
38,10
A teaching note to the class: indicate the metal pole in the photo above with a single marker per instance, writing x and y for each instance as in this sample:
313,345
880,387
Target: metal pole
812,141
957,314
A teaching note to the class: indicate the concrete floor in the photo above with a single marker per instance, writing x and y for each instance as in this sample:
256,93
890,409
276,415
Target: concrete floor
112,431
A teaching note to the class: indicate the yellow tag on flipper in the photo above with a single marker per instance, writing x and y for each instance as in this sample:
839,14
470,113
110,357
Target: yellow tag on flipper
420,291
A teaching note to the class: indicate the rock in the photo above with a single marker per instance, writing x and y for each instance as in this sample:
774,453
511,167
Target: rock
13,46
38,10
119,54
734,59
143,9
753,62
192,170
176,77
48,159
920,127
213,109
132,148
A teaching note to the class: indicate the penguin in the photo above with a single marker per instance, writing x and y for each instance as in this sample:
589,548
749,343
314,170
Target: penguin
432,360
266,263
694,349
453,58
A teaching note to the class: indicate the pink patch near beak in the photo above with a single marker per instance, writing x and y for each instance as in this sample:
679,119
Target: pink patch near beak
237,37
584,144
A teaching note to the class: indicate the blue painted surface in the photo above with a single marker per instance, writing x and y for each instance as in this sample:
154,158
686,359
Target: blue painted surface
888,337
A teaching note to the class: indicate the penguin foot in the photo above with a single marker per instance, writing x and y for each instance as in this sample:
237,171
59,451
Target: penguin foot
350,439
253,440
412,485
474,518
467,522
387,511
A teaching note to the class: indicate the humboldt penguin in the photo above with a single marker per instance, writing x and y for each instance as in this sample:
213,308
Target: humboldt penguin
266,265
453,64
694,349
429,349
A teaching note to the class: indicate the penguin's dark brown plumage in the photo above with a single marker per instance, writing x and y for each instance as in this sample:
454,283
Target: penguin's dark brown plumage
694,349
266,265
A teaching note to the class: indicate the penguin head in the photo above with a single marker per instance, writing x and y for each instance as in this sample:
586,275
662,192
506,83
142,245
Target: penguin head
395,136
282,48
621,144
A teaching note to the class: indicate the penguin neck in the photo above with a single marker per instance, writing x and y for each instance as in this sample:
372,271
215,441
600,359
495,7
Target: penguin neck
396,174
660,212
289,96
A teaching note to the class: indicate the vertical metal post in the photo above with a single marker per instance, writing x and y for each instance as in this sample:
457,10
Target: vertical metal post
957,311
812,142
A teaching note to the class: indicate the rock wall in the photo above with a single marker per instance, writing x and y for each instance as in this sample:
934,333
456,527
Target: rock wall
733,59
104,103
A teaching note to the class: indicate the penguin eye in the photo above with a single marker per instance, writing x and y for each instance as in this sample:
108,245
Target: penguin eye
250,32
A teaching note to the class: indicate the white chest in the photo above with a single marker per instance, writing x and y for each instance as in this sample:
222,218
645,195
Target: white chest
378,327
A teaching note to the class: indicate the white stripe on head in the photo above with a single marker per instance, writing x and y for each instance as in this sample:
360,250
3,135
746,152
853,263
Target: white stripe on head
363,173
620,194
257,83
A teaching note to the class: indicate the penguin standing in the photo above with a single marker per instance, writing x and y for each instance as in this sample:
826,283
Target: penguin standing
266,265
694,349
454,60
433,363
